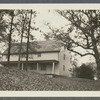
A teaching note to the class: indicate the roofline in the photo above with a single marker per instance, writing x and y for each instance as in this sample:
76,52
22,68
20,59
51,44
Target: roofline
34,61
32,52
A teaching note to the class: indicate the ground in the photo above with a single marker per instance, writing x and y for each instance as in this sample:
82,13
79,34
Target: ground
18,80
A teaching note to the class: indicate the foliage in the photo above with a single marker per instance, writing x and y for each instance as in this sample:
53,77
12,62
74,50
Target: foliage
16,23
85,71
3,26
82,31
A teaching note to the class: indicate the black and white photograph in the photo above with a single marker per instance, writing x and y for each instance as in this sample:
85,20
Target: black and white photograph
45,48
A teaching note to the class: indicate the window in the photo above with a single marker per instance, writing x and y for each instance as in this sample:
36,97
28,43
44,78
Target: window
64,56
6,56
23,56
43,67
0,58
63,67
30,56
39,54
33,67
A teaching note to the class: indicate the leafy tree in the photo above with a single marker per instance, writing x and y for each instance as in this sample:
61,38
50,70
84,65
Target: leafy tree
3,27
6,25
83,31
85,71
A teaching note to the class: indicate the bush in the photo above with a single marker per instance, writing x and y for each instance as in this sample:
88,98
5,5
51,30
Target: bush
85,71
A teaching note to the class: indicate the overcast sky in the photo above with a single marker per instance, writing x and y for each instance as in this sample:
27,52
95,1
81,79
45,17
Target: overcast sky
48,16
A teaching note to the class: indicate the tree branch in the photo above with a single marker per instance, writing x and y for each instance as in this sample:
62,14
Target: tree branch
84,47
80,53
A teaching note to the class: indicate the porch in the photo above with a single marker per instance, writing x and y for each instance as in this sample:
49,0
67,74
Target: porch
48,67
42,67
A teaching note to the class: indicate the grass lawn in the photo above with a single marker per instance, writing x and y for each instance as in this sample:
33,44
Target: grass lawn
78,84
18,80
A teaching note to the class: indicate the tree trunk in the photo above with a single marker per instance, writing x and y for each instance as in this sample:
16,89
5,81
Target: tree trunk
27,52
98,66
20,48
9,36
96,53
97,59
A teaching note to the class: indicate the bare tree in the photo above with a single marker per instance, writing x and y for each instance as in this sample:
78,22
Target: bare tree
24,28
29,26
10,34
24,16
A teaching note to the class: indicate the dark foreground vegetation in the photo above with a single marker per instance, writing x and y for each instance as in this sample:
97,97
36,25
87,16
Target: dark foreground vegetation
18,80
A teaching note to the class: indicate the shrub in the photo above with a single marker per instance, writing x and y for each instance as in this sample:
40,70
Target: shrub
75,72
85,71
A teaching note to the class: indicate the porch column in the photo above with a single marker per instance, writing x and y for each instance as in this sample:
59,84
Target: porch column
22,66
37,67
53,67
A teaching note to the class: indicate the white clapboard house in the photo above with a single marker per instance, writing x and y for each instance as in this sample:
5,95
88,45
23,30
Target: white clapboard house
45,57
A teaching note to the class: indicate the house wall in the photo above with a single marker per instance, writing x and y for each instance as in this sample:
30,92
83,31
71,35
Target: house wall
56,70
48,69
64,62
59,70
44,56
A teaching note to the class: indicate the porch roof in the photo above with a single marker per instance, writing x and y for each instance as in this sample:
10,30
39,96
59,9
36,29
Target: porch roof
35,61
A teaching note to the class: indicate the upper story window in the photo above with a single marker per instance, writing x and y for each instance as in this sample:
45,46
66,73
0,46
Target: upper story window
63,67
6,56
39,55
64,57
23,56
30,56
0,58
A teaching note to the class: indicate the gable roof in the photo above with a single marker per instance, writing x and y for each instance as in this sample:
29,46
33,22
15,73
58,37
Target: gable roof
34,47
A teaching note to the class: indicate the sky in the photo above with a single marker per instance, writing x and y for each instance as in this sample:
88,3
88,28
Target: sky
48,16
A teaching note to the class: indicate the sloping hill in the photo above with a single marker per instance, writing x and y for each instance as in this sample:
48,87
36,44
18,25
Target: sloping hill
13,79
18,80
